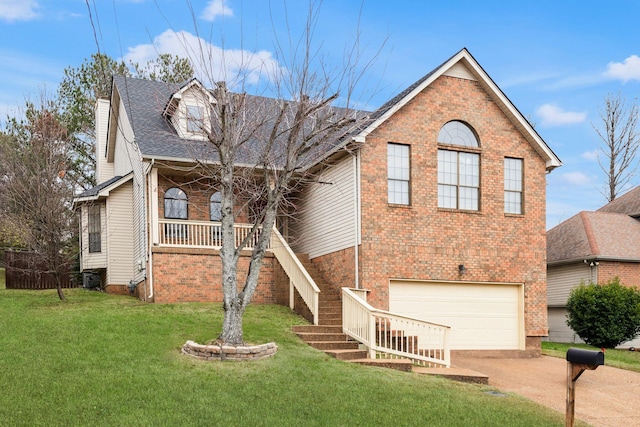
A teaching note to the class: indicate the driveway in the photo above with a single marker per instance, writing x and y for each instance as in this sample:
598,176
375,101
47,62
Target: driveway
604,397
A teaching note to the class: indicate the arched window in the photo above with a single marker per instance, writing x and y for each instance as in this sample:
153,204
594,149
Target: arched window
458,168
458,133
215,206
175,204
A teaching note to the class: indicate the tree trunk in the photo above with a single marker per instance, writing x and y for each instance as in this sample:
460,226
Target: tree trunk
232,323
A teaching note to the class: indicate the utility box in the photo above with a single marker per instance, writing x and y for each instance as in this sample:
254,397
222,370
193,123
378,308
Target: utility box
585,357
91,280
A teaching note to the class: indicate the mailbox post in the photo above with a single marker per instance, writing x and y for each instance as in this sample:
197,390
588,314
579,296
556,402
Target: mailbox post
577,361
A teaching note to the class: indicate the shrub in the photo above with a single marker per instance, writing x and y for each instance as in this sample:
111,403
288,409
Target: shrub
604,315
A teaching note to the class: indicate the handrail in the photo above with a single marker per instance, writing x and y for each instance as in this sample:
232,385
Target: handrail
200,234
298,275
388,335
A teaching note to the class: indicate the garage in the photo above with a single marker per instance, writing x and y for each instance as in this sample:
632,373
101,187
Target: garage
482,316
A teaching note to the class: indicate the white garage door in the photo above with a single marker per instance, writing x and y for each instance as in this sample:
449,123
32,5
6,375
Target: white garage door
481,316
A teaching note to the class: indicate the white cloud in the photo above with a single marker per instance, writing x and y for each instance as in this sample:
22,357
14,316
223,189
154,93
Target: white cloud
23,10
216,8
590,155
211,63
575,178
552,115
629,70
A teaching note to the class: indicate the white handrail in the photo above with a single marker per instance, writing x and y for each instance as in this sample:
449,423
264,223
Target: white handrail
298,275
200,234
388,335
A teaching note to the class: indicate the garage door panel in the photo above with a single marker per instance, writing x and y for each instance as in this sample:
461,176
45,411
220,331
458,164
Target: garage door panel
482,316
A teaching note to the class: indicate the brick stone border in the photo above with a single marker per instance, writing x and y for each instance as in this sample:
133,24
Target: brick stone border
227,352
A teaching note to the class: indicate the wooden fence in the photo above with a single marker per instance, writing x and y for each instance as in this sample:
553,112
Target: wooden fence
23,270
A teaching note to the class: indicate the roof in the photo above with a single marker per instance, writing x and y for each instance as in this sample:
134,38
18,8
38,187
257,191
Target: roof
628,203
104,187
145,101
465,58
594,235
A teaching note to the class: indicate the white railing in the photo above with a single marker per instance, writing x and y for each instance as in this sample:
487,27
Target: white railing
387,335
299,278
200,234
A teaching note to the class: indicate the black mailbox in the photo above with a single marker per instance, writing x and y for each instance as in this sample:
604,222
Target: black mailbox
585,357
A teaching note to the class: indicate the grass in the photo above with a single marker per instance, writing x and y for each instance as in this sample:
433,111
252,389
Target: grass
623,359
105,360
2,282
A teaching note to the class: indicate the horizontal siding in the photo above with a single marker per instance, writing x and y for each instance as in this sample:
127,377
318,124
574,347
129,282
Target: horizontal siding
561,279
120,232
325,220
559,331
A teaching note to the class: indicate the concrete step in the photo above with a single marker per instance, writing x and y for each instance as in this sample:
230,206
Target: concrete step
347,354
315,337
335,321
404,365
332,329
334,345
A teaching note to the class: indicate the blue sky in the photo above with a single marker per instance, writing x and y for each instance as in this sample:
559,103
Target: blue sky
555,60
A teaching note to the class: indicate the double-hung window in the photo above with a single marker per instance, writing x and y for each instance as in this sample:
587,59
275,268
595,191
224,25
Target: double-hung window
513,186
95,228
458,168
398,174
195,119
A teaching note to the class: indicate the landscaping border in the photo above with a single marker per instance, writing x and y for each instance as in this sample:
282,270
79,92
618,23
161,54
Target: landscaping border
228,352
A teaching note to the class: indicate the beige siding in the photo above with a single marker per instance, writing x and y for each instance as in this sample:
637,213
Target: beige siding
93,260
127,159
561,279
104,169
325,220
120,235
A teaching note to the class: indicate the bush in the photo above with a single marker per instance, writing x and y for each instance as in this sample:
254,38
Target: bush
604,315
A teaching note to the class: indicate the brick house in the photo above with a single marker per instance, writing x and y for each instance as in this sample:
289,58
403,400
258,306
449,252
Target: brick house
592,247
434,208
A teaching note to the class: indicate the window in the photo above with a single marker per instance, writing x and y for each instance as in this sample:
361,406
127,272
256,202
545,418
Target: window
195,115
94,226
513,186
399,174
458,171
175,206
215,206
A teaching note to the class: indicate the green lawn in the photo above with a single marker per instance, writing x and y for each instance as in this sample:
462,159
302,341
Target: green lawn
2,285
623,359
105,360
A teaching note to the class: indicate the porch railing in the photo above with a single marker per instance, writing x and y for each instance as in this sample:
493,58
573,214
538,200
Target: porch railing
299,278
207,234
199,234
388,336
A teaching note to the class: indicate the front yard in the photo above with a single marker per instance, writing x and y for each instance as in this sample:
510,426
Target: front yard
104,360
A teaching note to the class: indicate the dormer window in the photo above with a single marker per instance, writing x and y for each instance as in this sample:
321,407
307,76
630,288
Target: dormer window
195,116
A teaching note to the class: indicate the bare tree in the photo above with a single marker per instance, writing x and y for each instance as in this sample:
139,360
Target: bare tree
36,192
620,139
263,148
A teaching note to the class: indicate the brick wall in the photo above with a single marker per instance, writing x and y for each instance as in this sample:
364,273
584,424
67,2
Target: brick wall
424,242
189,275
628,272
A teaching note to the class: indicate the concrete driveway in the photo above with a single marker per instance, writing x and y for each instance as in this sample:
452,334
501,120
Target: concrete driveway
604,397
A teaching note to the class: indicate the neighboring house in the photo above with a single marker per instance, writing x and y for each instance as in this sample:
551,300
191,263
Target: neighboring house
592,247
436,207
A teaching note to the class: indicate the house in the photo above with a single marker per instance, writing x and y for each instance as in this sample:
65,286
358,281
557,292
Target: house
434,209
592,247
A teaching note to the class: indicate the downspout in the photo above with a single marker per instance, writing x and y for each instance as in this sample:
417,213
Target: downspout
149,275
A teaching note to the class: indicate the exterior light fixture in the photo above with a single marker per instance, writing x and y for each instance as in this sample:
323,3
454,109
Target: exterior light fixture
461,269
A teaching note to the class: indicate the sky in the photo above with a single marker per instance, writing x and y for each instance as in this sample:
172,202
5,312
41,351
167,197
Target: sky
555,60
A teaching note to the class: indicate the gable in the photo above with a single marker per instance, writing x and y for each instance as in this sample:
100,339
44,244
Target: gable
464,66
189,110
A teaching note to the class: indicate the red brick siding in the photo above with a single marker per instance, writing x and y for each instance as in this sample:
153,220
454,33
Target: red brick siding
424,242
187,275
629,273
337,268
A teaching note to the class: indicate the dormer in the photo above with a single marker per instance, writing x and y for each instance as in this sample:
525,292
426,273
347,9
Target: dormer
189,110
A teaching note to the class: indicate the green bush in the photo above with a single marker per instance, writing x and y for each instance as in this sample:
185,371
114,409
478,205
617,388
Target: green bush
604,315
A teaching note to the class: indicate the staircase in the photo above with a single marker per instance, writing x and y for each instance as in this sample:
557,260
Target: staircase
328,336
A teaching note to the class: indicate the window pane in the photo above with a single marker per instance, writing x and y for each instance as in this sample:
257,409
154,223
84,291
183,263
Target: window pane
512,202
175,204
398,171
194,118
457,133
215,206
513,186
447,167
470,169
447,196
468,198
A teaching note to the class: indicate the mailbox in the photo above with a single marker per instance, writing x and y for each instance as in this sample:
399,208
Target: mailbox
585,357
